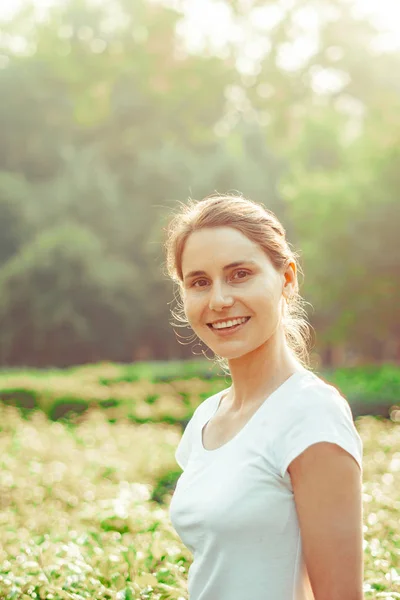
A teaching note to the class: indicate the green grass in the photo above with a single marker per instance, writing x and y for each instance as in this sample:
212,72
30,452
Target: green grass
84,509
170,391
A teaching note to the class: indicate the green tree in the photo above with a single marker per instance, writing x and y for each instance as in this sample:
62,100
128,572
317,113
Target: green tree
14,221
63,295
107,120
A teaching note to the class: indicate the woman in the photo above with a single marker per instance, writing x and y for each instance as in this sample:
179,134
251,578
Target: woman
270,498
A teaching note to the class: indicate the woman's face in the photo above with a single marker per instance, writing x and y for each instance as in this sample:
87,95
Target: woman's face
227,277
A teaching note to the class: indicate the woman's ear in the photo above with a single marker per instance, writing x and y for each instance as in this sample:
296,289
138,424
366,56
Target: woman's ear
289,280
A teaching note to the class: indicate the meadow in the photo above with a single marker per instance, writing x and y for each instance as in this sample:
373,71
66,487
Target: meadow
84,493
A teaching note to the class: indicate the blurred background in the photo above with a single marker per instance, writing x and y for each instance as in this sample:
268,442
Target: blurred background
112,111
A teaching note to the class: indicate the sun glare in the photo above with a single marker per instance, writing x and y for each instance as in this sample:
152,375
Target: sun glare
211,21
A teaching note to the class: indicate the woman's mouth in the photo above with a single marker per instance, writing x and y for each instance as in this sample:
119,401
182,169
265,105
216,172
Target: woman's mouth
229,326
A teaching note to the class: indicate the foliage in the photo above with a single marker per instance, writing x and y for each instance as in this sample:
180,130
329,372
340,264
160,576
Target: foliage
108,119
62,287
79,521
169,393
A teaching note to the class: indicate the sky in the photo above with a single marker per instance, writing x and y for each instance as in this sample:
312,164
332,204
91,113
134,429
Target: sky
385,13
211,20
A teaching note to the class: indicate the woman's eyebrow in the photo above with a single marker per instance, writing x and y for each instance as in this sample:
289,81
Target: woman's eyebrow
237,263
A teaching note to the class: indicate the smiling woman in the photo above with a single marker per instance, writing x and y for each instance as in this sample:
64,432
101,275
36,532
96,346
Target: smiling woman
270,498
255,262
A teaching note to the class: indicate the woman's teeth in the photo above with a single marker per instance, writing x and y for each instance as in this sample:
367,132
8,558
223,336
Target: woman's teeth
224,324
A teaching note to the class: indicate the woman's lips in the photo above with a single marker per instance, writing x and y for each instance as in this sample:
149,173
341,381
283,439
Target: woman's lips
226,331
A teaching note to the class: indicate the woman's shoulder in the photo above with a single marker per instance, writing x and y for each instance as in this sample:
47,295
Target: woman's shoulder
313,386
315,395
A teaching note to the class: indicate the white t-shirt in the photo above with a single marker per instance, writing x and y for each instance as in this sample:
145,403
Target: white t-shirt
233,507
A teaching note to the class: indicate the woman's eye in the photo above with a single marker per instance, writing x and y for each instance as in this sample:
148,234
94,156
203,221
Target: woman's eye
241,274
199,281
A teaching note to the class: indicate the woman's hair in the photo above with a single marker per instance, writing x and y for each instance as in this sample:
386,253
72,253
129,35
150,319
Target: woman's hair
260,226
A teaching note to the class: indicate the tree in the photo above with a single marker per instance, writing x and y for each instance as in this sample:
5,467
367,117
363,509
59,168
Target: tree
62,295
14,220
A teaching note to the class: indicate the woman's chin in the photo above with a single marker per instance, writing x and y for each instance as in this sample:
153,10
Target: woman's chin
233,349
227,348
229,353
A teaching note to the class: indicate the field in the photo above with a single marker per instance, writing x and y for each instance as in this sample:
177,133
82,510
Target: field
84,496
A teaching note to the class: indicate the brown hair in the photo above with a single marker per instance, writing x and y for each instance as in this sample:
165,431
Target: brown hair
259,225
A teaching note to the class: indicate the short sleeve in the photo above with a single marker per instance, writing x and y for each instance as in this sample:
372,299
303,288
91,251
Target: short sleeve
320,415
183,449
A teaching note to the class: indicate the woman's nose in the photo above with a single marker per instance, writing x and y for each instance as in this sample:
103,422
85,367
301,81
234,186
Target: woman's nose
220,298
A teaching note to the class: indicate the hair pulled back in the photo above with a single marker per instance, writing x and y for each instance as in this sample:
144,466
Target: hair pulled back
259,225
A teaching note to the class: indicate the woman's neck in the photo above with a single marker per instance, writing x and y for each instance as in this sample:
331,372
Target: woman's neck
257,374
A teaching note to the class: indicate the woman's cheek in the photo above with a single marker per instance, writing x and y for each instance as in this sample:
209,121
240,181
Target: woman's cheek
191,310
197,310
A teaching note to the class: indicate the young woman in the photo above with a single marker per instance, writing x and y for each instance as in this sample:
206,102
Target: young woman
270,498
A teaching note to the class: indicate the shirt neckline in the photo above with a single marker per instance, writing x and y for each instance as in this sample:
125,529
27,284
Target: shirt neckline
215,406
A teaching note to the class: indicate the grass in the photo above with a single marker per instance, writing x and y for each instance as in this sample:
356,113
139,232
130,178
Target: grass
78,518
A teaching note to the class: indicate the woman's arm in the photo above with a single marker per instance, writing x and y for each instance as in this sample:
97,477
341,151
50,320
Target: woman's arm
327,486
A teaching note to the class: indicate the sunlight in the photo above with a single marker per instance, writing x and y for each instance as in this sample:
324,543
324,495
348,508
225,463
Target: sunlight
211,21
